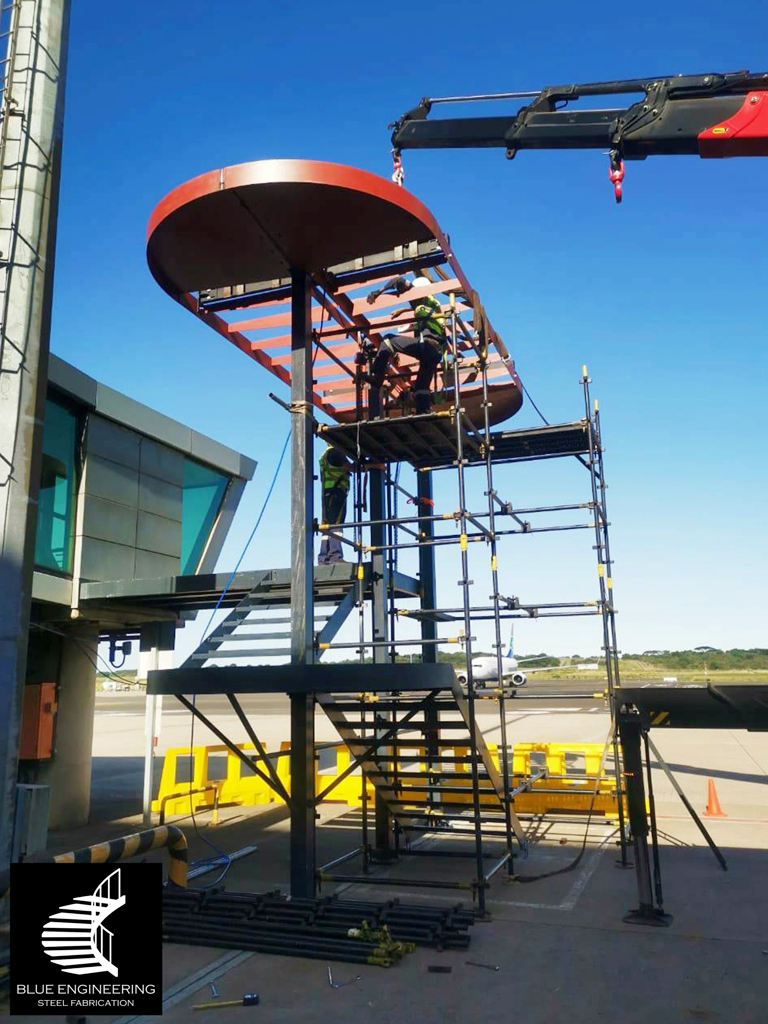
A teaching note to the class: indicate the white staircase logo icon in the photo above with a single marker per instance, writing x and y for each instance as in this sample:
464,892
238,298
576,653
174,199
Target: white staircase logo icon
75,937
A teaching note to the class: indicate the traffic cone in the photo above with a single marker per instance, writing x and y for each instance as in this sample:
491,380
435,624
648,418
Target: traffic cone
714,810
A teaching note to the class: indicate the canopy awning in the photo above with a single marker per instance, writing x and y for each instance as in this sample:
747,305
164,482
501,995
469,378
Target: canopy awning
226,242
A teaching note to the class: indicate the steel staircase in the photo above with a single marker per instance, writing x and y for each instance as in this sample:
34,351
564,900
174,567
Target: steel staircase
235,636
423,769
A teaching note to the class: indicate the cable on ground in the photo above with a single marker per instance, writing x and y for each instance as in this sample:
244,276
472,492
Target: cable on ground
574,863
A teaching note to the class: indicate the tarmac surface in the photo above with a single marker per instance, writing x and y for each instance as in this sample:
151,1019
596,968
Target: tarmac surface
132,702
565,955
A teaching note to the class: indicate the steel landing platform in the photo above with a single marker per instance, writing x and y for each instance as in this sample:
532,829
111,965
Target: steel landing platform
429,440
297,679
194,593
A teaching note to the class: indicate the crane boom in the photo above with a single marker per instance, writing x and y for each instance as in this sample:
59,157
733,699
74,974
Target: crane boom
710,115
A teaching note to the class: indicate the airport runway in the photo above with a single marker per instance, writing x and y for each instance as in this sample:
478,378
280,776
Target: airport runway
542,694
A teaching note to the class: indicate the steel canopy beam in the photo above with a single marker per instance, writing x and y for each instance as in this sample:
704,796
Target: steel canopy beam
290,679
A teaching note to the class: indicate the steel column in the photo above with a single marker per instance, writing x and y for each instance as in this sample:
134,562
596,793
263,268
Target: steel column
630,733
380,623
424,494
30,158
302,585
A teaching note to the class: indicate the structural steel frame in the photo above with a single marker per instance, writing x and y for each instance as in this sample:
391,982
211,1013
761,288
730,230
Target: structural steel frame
332,334
337,320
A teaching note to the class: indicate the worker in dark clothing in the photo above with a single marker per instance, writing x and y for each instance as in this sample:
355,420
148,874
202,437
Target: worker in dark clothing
334,480
426,344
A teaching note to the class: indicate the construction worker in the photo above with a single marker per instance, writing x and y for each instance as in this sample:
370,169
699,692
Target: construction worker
427,346
334,481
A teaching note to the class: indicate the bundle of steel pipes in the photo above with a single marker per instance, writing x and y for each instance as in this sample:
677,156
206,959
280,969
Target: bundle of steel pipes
355,931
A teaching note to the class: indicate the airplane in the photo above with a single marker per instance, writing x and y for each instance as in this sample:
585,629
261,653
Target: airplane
486,669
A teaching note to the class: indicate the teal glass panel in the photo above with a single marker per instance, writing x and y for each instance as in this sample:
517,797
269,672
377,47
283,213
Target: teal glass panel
55,512
203,491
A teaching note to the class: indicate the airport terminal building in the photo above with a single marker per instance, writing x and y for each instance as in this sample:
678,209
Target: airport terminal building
126,494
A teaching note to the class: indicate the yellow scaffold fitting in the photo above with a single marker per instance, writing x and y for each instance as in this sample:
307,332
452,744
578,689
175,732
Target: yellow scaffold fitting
584,370
463,540
597,406
609,582
494,563
360,573
601,570
324,647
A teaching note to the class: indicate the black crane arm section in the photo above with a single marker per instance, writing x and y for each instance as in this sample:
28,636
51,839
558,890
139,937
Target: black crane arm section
712,115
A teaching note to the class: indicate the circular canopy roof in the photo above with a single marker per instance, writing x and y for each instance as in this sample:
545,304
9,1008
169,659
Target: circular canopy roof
254,221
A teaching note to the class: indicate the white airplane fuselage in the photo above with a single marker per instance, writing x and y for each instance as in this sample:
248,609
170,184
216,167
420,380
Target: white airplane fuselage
486,670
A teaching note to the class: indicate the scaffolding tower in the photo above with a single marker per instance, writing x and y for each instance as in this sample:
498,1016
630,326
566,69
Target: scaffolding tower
449,440
412,729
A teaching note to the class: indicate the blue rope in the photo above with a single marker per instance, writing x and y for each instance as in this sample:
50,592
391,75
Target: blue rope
220,853
248,542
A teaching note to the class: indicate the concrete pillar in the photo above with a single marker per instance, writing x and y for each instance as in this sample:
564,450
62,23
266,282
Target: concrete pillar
32,116
70,662
155,652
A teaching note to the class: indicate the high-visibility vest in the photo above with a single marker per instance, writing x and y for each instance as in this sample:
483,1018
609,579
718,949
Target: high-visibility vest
429,316
333,476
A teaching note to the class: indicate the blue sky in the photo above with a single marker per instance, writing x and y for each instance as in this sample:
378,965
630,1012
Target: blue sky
663,297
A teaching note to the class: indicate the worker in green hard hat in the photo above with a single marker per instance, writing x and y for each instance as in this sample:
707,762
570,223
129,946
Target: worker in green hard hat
335,470
426,344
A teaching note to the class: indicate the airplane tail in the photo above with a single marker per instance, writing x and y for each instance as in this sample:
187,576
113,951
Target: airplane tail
511,650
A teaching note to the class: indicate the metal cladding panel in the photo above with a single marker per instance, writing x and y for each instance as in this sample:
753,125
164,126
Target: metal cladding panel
118,444
247,467
107,520
216,455
102,560
142,418
160,498
149,564
68,378
51,589
111,480
162,462
160,535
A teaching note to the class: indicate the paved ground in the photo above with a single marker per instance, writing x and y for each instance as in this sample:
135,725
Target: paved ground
564,953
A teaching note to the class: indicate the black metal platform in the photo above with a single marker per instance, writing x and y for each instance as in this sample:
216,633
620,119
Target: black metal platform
416,439
430,440
191,593
722,706
541,442
295,679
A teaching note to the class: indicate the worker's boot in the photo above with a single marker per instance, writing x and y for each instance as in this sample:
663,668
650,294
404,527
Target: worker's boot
374,403
422,401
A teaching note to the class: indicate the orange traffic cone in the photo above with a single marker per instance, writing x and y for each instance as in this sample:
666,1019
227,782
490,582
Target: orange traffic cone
714,810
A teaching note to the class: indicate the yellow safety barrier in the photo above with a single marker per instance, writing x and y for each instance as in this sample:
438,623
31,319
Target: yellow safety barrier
234,788
568,786
237,789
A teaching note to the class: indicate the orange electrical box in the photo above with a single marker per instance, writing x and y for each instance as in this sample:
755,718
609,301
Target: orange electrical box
38,715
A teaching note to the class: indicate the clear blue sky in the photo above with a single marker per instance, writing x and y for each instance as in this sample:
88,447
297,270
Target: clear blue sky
663,297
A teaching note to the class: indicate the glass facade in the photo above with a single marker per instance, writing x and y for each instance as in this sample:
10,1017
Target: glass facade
58,480
203,492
